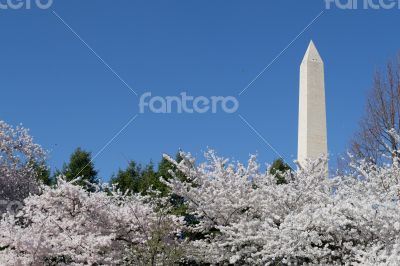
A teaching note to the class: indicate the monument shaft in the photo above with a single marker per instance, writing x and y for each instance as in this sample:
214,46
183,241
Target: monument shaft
312,135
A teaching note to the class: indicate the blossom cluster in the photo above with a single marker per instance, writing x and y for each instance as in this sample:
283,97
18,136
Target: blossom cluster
19,159
68,225
246,218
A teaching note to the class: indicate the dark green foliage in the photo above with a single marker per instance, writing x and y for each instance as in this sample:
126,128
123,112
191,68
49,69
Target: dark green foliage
137,179
80,165
128,179
43,174
278,169
151,180
163,169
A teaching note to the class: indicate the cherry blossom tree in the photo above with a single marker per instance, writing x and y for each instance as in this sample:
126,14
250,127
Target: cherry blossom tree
68,225
19,158
248,219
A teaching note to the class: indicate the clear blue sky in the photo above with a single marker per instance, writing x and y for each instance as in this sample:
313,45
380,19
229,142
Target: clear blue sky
53,84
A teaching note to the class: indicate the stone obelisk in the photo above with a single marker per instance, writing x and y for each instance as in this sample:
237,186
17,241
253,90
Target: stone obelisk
312,137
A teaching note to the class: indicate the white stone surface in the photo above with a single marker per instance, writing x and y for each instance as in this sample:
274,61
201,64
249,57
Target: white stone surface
312,135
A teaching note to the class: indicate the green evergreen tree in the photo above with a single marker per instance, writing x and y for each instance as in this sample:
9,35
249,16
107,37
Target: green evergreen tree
80,165
138,179
278,169
128,179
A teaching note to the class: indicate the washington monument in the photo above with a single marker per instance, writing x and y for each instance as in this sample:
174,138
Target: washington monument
312,137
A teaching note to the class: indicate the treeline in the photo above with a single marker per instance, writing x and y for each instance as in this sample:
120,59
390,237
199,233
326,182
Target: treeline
135,178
